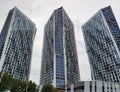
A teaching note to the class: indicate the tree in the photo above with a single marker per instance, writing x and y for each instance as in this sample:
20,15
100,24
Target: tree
48,88
18,86
15,85
31,87
6,80
21,86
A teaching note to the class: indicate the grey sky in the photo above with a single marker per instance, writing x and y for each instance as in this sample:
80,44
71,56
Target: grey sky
40,10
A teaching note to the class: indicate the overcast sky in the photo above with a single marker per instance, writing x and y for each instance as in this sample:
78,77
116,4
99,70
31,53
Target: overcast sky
39,12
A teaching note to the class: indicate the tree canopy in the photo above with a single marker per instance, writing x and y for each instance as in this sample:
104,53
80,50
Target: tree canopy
48,88
15,85
5,83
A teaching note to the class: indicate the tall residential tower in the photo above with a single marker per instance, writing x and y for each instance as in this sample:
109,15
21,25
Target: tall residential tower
16,43
59,64
102,40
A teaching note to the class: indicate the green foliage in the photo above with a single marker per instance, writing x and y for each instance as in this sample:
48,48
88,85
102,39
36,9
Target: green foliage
18,86
5,83
48,88
15,85
31,87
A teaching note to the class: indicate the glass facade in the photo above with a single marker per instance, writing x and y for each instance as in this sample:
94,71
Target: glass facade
47,63
61,57
112,23
17,44
73,75
59,49
4,33
101,35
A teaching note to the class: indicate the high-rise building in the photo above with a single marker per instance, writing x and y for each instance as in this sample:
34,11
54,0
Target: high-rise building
102,40
16,43
59,64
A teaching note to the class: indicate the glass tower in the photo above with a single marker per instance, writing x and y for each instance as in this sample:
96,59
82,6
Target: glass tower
16,42
102,40
59,64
